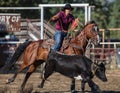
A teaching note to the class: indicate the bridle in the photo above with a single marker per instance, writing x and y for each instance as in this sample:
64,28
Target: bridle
89,41
95,28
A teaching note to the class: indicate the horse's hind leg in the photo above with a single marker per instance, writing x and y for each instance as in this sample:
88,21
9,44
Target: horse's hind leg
22,67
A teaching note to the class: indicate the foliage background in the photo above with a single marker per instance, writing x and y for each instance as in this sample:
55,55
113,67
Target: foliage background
106,12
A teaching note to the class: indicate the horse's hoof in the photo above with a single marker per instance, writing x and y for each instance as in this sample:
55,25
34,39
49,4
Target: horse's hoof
9,81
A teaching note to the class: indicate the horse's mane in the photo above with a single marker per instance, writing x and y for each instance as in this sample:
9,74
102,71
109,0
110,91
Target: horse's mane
89,22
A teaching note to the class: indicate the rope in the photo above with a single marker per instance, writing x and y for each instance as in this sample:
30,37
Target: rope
47,24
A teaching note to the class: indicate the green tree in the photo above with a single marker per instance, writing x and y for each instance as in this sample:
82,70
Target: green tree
114,19
21,3
105,13
101,12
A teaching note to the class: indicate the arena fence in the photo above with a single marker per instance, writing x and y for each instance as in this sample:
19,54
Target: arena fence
111,56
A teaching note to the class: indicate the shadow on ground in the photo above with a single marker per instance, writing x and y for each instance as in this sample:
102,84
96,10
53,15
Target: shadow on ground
78,92
110,91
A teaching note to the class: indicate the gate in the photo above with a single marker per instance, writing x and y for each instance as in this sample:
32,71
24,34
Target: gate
107,55
118,57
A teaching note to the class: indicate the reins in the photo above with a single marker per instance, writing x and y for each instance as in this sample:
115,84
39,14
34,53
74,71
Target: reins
75,45
48,22
78,47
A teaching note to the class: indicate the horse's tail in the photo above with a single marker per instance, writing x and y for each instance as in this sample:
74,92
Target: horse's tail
20,49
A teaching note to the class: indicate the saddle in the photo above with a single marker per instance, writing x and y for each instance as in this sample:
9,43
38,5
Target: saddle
49,43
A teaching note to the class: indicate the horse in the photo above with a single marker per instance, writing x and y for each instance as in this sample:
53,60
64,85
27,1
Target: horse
35,52
75,67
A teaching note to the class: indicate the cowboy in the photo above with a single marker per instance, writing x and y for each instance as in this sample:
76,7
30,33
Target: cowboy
63,19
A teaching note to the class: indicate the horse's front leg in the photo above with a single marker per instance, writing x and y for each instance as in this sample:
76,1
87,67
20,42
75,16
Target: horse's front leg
94,87
73,86
31,69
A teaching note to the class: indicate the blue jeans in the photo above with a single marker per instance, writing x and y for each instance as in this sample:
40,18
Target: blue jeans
59,37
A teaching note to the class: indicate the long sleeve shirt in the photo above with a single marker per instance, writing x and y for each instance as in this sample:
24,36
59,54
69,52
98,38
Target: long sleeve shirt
63,21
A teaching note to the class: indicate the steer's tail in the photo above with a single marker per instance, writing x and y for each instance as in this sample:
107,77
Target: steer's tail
15,57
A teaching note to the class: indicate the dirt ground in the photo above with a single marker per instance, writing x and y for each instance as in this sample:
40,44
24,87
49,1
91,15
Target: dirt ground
58,83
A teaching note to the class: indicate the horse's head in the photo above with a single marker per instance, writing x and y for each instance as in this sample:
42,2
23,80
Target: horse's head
92,32
99,71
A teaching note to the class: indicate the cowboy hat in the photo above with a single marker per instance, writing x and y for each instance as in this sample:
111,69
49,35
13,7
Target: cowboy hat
67,6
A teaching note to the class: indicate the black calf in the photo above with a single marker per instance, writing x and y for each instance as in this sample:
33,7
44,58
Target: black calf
74,67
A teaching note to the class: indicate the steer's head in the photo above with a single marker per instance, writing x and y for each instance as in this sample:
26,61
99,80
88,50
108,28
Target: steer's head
99,71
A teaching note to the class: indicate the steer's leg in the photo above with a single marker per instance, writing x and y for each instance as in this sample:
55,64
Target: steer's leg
94,87
46,74
48,70
73,86
83,85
